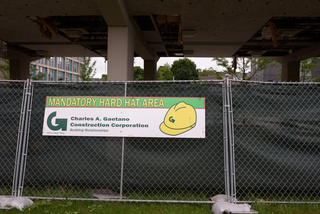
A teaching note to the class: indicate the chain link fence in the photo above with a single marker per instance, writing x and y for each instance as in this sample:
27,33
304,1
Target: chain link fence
180,168
126,168
274,148
71,167
11,99
277,141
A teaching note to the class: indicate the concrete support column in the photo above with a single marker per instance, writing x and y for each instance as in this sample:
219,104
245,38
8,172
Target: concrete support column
120,54
290,71
20,68
150,69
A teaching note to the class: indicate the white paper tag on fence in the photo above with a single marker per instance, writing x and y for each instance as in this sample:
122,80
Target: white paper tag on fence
165,117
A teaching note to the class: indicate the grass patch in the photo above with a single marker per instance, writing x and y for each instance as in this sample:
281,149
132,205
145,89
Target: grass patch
173,194
81,207
72,191
78,207
286,208
308,196
69,191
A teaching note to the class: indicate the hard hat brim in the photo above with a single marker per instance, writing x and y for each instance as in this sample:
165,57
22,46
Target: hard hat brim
170,131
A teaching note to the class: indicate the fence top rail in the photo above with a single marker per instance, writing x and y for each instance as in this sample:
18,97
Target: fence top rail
275,83
137,82
13,80
168,81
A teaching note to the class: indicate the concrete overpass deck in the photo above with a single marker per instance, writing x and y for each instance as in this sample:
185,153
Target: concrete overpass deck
287,30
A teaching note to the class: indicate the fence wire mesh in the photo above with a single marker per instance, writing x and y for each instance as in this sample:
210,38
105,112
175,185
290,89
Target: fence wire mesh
71,167
177,169
11,94
277,141
276,135
154,168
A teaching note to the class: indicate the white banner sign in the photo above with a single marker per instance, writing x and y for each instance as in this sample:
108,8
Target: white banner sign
125,117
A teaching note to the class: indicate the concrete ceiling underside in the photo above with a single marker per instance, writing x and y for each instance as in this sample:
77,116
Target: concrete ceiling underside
163,28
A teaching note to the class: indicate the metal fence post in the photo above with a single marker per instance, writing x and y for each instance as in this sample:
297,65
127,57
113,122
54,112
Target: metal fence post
226,140
29,94
231,141
19,142
122,151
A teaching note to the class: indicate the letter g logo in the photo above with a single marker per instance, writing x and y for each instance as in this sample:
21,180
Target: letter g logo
61,123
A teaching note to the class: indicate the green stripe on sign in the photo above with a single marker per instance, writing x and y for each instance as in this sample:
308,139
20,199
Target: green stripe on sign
123,102
197,102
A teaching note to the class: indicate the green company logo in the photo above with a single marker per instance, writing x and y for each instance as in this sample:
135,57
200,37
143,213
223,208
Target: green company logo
61,123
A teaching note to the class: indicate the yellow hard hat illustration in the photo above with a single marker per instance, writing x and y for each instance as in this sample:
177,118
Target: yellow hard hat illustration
180,118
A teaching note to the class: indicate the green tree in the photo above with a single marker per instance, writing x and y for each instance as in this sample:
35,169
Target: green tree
33,73
259,64
5,68
226,66
206,72
88,69
315,78
138,73
210,72
38,76
164,72
243,66
184,69
104,77
306,66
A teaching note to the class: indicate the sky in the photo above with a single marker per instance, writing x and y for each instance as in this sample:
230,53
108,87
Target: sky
202,63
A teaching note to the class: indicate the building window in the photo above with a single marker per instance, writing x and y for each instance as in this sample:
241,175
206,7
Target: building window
68,64
80,68
81,59
44,71
68,77
52,75
51,61
33,70
42,61
59,62
74,78
60,76
75,67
